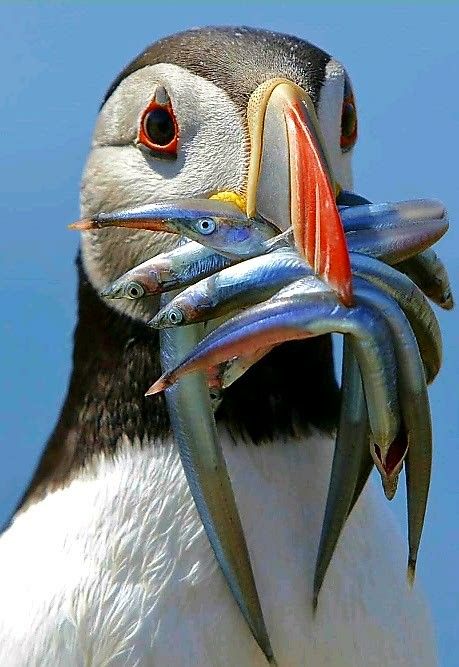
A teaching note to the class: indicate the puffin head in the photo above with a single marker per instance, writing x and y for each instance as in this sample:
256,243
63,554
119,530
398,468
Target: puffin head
213,113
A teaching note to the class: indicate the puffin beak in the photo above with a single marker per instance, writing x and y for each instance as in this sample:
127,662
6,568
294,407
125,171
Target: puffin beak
290,181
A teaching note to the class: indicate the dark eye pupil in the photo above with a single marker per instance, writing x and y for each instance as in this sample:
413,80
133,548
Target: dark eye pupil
348,120
159,127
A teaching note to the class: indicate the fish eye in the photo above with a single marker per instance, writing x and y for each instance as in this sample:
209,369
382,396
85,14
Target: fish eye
134,290
206,226
158,129
175,316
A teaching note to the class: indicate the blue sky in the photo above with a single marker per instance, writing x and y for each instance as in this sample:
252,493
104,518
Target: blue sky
57,60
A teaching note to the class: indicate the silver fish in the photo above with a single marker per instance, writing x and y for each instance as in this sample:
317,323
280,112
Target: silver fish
257,279
414,402
232,289
428,272
308,309
195,432
351,448
182,266
412,302
219,225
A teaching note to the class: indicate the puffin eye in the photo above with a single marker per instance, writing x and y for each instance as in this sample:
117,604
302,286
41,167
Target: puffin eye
159,126
134,290
158,129
206,226
348,120
175,316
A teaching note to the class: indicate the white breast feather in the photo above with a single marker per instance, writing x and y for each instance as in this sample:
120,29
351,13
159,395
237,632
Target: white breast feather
117,570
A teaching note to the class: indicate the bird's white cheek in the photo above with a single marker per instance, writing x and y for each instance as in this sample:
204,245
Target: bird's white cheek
122,177
212,157
117,177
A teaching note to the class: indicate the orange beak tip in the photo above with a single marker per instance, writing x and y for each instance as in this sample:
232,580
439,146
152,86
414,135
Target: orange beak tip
317,225
83,225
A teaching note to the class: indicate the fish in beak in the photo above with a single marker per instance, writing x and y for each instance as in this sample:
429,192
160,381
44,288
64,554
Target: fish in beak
289,184
196,436
301,258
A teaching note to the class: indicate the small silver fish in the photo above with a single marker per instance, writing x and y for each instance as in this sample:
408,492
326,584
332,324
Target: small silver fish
196,436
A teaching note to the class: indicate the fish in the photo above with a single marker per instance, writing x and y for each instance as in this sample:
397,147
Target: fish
233,288
415,413
185,265
195,432
216,224
429,273
168,271
259,278
348,476
305,309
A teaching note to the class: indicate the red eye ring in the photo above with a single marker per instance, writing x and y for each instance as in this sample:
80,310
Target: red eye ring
348,123
158,129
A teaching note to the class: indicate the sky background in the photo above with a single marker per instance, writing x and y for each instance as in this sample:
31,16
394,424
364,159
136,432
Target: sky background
58,59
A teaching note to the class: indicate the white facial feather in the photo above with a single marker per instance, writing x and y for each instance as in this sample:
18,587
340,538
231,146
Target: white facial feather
212,157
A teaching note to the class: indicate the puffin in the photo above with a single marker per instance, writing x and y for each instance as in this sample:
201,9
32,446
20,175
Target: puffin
106,561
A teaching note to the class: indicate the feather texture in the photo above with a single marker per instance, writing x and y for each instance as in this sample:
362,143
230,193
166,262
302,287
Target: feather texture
115,569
